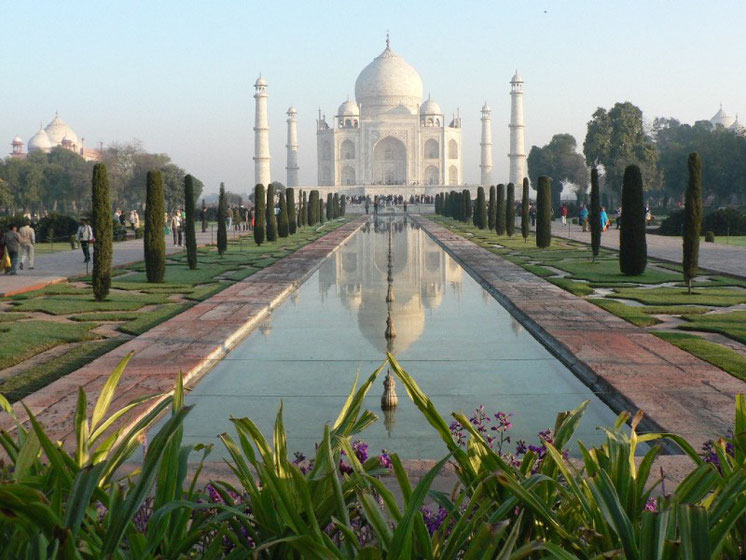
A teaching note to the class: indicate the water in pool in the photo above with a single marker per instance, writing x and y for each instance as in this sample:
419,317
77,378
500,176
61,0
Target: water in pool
461,346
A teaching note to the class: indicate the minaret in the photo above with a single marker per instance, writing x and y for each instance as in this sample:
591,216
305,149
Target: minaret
517,153
486,165
261,134
292,147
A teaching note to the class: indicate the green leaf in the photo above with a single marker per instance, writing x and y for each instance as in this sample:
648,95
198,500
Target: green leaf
107,392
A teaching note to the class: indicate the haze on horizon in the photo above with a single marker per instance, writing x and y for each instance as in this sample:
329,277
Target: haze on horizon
179,76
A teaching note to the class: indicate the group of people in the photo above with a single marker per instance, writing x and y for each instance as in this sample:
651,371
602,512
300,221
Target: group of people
134,219
17,247
240,218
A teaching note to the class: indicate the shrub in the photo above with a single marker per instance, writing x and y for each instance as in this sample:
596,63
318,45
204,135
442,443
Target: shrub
544,212
710,237
595,214
190,236
271,216
290,210
480,216
500,209
725,221
260,203
102,233
222,239
283,227
525,203
63,226
510,211
692,219
154,239
492,210
633,250
140,232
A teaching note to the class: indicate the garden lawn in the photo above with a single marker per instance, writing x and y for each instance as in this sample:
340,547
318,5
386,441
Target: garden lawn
721,297
641,315
716,354
731,324
68,304
24,339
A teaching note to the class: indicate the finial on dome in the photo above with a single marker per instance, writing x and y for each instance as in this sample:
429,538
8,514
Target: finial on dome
388,40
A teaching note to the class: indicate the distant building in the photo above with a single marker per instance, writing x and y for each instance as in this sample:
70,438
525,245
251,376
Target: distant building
56,133
721,118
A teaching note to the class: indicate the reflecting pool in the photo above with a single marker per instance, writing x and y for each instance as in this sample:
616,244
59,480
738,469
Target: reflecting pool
462,347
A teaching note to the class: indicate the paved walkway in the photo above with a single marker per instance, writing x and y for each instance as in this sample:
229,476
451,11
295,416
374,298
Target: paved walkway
727,259
191,342
61,265
629,368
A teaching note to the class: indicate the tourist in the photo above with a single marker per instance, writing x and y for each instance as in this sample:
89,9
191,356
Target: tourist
28,240
85,236
583,216
618,216
122,218
605,222
203,217
228,218
176,228
532,214
12,242
132,219
137,220
563,213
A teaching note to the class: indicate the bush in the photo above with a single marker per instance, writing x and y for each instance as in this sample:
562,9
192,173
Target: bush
500,210
101,224
63,226
154,240
725,221
222,237
510,211
710,237
140,232
633,249
260,206
544,212
189,233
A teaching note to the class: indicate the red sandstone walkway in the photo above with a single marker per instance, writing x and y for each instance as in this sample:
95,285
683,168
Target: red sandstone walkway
191,342
630,368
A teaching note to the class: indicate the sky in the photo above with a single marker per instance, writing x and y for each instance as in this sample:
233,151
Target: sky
179,75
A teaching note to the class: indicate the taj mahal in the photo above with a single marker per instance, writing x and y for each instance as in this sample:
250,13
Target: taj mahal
390,138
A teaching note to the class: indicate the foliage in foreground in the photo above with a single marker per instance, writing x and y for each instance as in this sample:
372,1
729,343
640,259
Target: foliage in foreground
337,505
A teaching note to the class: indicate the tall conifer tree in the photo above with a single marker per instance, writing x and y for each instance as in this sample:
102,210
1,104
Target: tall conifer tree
481,213
633,248
154,238
510,211
260,214
291,211
190,235
103,233
544,212
692,219
595,214
492,209
271,216
222,222
500,210
525,218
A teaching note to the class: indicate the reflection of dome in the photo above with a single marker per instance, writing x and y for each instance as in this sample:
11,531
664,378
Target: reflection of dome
58,130
348,109
430,107
388,82
408,319
40,142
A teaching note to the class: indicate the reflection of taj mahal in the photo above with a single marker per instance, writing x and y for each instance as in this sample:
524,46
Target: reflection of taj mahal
387,136
421,272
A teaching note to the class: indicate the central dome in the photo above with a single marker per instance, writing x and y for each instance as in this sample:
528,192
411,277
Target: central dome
387,83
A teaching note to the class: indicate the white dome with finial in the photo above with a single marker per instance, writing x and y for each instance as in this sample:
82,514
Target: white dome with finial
387,83
722,118
260,81
348,109
40,142
737,127
58,129
430,107
17,141
516,78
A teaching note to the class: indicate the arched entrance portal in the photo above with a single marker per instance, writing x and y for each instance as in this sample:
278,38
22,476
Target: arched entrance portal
390,162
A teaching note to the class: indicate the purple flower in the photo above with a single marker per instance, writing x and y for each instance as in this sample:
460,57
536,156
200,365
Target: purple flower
361,450
433,520
651,505
385,460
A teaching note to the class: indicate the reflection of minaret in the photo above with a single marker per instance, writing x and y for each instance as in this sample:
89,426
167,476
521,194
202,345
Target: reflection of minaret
486,165
292,147
517,153
261,133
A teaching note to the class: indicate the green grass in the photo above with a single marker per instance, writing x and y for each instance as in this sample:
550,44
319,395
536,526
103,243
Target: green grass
607,271
715,354
38,377
24,339
67,304
146,321
538,270
576,288
642,315
731,324
721,297
738,240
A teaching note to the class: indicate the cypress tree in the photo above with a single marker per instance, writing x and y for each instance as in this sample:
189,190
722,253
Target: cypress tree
525,219
154,238
510,211
191,236
633,249
500,209
343,205
337,212
466,202
310,209
481,212
103,232
544,212
692,219
222,225
321,210
445,204
330,206
204,216
283,223
290,210
303,209
260,214
271,217
317,212
492,209
595,214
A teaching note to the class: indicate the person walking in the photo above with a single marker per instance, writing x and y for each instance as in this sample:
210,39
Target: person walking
85,236
137,219
28,240
176,227
532,214
12,242
584,217
203,217
563,213
618,216
604,220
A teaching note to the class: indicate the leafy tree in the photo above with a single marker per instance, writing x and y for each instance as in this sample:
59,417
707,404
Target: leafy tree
222,221
260,205
559,161
544,212
617,139
595,214
292,216
525,218
633,251
189,234
692,219
510,211
492,209
103,233
154,239
500,210
283,223
466,202
271,217
480,215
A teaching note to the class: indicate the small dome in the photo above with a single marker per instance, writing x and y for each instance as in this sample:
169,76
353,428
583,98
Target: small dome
516,78
486,108
722,118
260,81
292,111
58,129
40,142
430,107
17,141
737,127
348,109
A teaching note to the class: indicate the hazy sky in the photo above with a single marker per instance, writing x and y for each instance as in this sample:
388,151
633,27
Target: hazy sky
178,75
